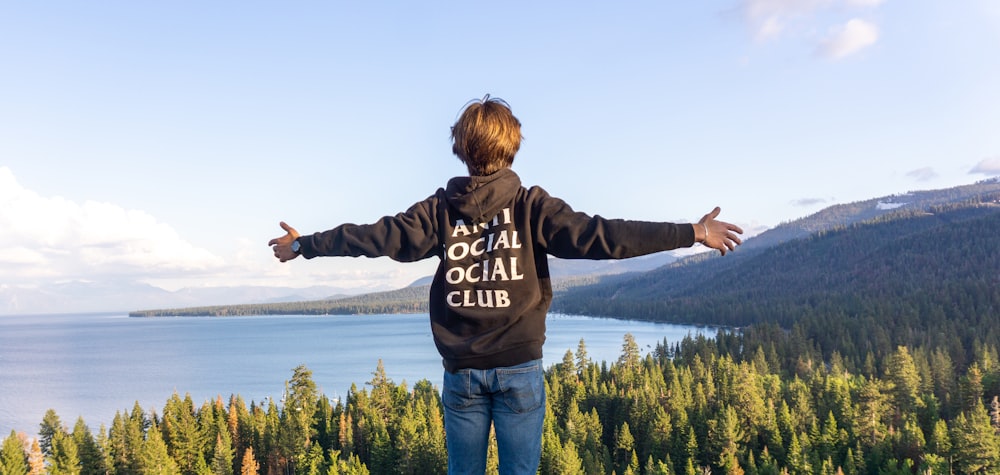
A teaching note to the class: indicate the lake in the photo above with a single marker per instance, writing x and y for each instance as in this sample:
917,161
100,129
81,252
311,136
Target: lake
98,364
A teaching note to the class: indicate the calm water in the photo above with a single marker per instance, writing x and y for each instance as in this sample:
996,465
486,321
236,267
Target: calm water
95,365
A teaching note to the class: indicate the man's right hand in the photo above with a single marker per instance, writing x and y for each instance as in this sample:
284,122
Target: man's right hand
721,236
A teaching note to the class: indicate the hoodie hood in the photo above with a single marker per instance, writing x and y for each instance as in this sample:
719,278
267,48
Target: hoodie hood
482,197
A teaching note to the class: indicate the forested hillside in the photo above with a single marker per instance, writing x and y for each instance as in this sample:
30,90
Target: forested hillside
846,214
914,278
405,300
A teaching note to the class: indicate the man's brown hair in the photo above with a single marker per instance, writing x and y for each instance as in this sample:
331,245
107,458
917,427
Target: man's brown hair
486,136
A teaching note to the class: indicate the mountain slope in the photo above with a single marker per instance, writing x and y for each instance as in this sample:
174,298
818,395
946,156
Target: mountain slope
849,213
920,278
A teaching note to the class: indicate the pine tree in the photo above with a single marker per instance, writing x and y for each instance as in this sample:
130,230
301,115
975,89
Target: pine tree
63,456
301,397
551,445
629,361
904,382
432,447
118,449
249,465
868,425
315,462
971,388
798,460
659,433
751,464
233,411
153,456
270,448
911,442
569,462
849,467
724,437
345,433
324,423
241,427
975,445
222,456
582,360
689,468
182,434
829,438
50,426
36,460
104,445
686,447
13,459
939,442
767,464
624,447
91,458
748,396
409,431
943,374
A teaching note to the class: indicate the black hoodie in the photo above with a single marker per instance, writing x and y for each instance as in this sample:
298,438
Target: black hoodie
491,291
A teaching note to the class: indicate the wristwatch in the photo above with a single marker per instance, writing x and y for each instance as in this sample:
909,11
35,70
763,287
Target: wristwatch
296,246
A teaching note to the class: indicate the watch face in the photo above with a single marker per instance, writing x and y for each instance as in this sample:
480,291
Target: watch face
295,246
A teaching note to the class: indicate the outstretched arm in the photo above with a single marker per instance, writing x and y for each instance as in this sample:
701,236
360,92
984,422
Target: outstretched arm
718,235
282,246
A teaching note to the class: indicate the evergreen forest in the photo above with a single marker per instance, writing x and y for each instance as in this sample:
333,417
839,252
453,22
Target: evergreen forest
732,404
917,278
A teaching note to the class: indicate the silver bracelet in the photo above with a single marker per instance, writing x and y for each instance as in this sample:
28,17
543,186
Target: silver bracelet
706,232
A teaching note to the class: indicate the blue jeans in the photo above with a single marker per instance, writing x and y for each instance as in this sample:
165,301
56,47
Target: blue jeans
513,399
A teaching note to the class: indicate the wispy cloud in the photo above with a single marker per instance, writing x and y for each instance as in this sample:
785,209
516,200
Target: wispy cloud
922,174
864,3
845,40
987,166
806,202
50,238
770,20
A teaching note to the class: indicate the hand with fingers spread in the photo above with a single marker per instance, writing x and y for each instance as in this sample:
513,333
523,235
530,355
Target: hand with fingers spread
285,247
718,235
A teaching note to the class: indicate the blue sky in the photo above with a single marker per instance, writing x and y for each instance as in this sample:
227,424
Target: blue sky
163,141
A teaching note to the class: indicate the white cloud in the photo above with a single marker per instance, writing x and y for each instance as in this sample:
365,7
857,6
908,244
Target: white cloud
800,19
864,3
923,174
49,238
771,27
807,202
769,18
854,36
987,166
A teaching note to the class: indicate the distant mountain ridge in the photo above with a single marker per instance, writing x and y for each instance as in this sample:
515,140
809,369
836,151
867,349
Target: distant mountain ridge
580,291
918,277
902,250
122,296
846,214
